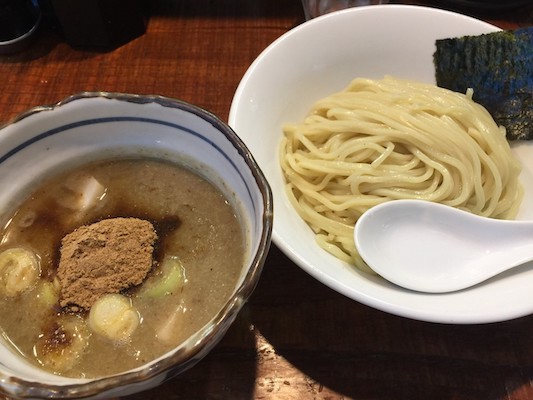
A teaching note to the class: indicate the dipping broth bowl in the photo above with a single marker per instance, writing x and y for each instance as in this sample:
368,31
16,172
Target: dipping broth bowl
96,126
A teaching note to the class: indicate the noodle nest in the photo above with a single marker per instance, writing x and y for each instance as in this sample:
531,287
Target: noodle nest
381,140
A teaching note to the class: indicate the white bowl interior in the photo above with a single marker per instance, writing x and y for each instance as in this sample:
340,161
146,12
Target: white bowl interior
318,58
93,126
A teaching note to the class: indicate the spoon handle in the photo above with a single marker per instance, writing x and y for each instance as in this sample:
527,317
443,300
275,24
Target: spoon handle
434,248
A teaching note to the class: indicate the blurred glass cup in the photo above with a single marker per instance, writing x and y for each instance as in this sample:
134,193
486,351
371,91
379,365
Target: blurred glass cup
314,8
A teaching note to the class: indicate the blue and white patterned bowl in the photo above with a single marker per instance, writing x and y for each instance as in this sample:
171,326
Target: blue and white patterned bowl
92,126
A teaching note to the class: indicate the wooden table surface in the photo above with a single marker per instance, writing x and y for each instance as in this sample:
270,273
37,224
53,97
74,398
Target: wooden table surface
295,338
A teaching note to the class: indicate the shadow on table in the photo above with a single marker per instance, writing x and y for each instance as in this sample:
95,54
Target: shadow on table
352,350
340,348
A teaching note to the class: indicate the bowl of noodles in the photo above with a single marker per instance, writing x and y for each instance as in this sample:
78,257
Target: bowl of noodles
296,108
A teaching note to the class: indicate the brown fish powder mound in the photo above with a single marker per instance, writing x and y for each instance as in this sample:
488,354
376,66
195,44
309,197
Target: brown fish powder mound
103,258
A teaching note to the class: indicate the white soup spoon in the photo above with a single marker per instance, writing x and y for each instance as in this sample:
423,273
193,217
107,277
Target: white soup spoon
430,247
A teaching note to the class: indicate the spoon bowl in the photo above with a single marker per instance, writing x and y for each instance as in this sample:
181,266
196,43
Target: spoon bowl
433,248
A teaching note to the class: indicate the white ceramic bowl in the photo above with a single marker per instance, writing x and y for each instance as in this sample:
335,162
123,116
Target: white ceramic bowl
321,57
92,126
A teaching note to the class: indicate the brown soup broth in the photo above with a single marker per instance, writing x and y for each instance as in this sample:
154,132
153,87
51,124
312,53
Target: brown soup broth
193,220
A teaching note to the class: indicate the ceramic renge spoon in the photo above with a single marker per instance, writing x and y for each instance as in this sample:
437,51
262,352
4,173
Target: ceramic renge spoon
430,247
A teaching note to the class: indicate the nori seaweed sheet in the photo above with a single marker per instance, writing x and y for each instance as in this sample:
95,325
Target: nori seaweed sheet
499,68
